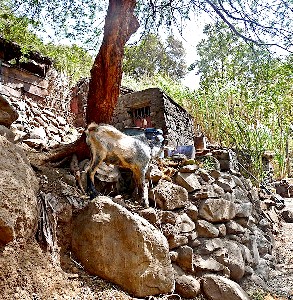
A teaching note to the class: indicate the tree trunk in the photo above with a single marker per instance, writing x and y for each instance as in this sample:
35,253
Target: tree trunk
106,73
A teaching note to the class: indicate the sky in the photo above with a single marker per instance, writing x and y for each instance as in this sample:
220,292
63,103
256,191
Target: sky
191,36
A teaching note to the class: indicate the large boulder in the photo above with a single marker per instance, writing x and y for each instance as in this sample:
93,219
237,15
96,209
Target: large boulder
18,188
7,113
218,288
217,210
122,247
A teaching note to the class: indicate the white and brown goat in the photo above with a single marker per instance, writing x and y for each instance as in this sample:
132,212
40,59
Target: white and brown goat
109,145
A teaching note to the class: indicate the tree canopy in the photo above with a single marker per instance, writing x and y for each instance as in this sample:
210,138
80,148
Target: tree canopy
263,22
152,56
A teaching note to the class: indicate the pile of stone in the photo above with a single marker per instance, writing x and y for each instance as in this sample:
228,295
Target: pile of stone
34,124
217,236
213,224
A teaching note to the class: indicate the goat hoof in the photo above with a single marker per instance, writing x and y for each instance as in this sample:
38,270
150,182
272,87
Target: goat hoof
93,195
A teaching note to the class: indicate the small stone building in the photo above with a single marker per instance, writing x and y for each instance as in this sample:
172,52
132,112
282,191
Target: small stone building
147,108
153,108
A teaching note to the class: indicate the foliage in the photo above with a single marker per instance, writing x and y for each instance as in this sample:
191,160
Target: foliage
74,20
257,295
245,97
174,89
261,22
152,56
74,61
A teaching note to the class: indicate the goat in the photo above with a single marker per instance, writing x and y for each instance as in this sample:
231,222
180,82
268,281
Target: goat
110,145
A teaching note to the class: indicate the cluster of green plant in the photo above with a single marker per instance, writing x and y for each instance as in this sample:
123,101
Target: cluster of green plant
73,60
245,98
152,56
173,88
257,295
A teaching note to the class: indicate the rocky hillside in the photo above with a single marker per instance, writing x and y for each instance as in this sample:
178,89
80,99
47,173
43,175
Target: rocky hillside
208,234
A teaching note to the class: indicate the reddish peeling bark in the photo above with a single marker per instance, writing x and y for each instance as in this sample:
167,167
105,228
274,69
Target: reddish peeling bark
106,73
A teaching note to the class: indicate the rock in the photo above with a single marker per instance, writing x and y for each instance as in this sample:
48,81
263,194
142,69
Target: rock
246,254
188,168
184,224
176,241
208,246
189,181
233,260
154,174
263,269
19,135
18,188
35,143
192,239
168,217
219,288
224,184
207,264
240,195
234,228
185,258
7,113
61,121
222,229
217,210
7,133
149,214
287,215
247,184
169,196
263,244
205,175
38,133
238,182
218,190
187,286
173,255
248,271
244,210
215,174
192,212
206,229
123,248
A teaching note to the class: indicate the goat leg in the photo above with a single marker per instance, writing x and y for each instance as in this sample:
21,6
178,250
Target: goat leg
140,192
91,190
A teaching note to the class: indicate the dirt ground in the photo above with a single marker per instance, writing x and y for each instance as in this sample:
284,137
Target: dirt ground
281,278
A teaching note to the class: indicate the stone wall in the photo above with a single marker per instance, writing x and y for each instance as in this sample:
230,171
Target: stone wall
166,114
18,82
179,124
